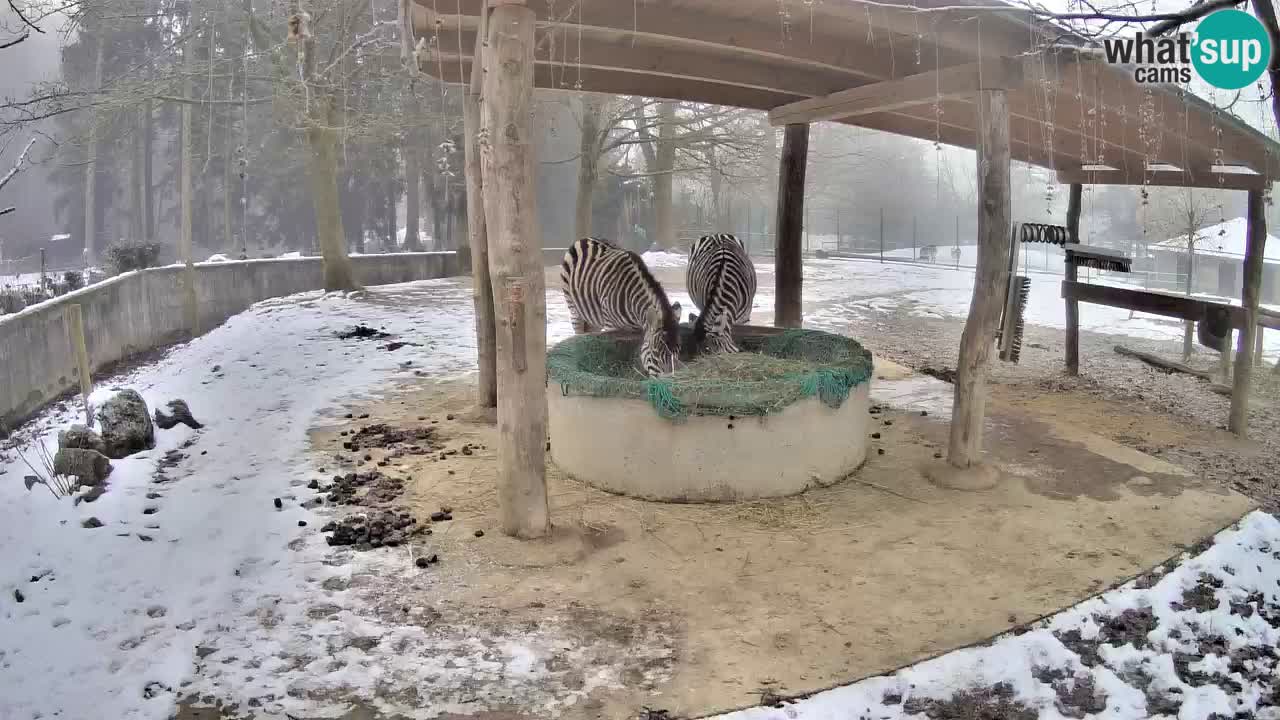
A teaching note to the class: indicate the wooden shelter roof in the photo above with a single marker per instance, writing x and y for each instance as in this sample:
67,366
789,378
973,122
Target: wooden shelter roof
905,68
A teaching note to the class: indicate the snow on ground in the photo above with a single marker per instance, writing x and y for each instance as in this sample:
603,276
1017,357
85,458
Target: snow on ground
115,616
665,259
194,554
849,288
1198,645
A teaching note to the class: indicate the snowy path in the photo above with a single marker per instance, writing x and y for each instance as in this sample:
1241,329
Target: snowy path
117,610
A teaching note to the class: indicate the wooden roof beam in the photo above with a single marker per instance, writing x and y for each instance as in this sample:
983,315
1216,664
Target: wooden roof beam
1166,178
680,63
890,95
699,29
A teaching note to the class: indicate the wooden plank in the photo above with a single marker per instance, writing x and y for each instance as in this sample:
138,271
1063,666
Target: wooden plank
1166,178
922,88
1255,247
969,410
478,243
515,262
788,261
75,335
1159,362
1181,307
1073,306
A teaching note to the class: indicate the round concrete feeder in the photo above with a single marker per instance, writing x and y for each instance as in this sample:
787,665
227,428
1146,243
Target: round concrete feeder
621,444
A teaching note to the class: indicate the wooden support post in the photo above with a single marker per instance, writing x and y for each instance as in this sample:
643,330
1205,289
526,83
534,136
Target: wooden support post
515,264
993,259
75,336
1257,347
1238,421
478,240
913,237
1073,306
788,262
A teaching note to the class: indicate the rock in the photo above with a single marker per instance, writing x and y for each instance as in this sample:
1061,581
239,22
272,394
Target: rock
126,425
179,413
421,562
279,503
91,523
79,437
18,596
479,533
90,467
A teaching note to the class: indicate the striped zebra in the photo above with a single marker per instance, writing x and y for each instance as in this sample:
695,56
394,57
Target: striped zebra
722,282
607,287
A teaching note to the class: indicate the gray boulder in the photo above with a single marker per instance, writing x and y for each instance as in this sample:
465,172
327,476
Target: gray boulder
126,425
180,413
90,467
80,437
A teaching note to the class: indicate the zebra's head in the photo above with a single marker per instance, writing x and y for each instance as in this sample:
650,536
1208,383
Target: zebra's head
660,346
719,335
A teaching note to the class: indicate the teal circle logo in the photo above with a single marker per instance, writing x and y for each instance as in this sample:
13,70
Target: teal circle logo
1232,49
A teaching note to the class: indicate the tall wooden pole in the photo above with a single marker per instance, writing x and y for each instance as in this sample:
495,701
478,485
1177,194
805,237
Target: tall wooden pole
1238,422
788,263
515,265
993,260
477,235
1069,273
186,195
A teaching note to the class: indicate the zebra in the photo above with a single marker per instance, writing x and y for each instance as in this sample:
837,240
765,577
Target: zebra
607,287
722,282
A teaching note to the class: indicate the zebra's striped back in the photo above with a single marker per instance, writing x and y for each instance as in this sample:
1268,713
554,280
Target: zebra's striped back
609,288
722,282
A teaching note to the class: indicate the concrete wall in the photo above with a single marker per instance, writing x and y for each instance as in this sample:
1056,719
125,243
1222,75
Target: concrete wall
142,310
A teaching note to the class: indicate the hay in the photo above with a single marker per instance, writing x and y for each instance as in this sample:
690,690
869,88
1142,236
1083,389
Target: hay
774,370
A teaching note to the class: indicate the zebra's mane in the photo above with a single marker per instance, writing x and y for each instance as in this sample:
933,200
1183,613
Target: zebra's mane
670,323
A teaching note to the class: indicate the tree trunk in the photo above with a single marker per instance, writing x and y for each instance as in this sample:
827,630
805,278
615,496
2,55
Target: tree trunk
663,220
516,266
228,188
91,167
412,198
969,407
137,225
148,189
1238,421
186,195
588,164
788,259
322,161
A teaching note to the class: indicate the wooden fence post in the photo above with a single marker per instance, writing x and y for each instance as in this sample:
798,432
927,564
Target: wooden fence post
515,264
477,236
1238,421
788,261
75,336
993,259
1069,274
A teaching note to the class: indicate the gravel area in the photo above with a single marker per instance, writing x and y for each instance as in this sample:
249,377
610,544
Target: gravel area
1252,468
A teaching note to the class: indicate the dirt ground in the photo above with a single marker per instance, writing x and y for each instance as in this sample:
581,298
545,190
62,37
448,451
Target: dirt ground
700,608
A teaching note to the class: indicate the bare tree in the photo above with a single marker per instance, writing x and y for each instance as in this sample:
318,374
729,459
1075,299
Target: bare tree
1183,213
13,172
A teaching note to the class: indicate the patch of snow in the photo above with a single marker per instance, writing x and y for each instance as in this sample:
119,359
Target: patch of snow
664,259
218,258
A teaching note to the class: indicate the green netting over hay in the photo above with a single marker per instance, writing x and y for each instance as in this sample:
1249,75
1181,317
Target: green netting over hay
774,370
